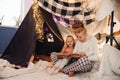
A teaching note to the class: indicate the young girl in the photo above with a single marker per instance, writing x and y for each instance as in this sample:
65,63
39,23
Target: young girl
63,56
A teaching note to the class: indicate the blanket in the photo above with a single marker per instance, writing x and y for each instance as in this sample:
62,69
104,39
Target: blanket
41,74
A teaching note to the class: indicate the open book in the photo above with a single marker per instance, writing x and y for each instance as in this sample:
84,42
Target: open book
68,55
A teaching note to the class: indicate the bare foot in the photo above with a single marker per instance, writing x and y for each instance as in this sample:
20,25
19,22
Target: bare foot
61,70
18,67
71,73
49,67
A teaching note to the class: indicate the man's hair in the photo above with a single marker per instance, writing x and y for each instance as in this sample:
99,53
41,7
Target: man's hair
77,24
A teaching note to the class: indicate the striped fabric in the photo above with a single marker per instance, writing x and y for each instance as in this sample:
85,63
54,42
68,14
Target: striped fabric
63,21
70,11
80,65
75,4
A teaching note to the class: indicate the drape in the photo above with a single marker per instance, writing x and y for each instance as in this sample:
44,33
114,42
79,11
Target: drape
22,44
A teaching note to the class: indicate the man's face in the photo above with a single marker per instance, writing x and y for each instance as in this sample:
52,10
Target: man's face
80,33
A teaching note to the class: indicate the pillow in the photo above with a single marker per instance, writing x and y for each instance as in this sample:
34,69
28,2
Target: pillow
114,59
110,61
105,68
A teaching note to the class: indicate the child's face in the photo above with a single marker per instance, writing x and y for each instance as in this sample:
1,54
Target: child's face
69,41
81,34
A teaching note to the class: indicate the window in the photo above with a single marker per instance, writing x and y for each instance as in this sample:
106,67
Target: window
10,11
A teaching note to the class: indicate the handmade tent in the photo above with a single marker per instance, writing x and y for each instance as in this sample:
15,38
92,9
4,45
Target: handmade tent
22,46
19,50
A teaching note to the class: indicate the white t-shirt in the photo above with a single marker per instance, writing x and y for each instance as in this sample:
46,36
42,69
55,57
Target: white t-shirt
90,47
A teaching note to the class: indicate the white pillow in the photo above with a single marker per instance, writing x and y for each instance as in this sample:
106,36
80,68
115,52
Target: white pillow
114,59
105,68
110,61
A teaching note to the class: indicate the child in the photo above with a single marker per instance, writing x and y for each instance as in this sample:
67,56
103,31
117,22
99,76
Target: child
63,56
87,49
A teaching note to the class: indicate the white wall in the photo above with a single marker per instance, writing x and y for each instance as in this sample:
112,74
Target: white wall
28,4
12,9
9,9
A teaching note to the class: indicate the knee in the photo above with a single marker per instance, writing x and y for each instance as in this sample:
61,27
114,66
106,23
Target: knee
53,54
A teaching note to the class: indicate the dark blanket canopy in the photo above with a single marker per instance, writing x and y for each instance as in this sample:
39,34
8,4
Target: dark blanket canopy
22,45
46,47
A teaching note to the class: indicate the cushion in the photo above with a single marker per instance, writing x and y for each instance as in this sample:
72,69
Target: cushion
114,59
110,61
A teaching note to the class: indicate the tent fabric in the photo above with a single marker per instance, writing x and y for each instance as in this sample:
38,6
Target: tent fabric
51,24
50,27
72,13
39,22
65,31
104,9
22,44
74,4
63,21
117,9
66,22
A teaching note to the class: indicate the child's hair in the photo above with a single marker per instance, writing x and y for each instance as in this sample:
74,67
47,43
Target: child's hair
77,24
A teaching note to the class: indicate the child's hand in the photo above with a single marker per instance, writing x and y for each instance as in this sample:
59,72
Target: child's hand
49,67
68,57
82,54
62,55
78,55
75,55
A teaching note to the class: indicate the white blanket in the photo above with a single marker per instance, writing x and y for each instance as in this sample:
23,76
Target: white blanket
41,74
9,71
